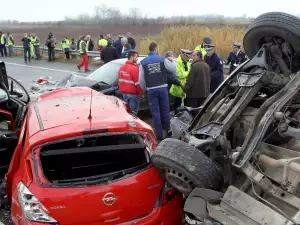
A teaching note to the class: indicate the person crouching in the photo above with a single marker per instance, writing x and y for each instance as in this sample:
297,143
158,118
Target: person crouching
129,82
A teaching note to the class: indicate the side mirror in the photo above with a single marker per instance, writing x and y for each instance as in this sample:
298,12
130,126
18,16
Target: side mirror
6,120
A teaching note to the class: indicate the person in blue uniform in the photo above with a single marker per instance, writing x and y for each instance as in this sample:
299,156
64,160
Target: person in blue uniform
155,71
236,57
216,67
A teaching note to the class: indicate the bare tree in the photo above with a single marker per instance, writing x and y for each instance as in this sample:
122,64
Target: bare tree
135,15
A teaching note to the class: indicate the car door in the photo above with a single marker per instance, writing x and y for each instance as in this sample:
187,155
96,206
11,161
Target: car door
8,140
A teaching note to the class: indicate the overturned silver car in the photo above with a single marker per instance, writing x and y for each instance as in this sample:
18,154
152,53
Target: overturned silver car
238,160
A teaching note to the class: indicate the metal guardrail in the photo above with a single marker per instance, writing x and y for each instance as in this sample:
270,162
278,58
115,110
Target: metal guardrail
76,53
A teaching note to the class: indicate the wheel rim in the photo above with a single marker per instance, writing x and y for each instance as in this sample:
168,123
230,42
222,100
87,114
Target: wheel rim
179,181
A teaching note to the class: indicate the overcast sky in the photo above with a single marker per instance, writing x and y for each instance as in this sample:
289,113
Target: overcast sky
42,10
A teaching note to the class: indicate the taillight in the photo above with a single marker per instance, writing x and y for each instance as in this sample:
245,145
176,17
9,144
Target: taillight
32,208
168,193
150,142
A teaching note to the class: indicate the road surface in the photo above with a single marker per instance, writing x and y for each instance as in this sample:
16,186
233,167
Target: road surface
28,72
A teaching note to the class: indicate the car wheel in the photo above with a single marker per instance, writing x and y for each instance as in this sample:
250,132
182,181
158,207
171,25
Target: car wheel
273,24
186,167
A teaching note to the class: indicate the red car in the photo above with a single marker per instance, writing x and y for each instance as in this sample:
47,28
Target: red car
83,158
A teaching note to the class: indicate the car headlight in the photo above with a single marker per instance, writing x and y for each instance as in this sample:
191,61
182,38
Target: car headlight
32,208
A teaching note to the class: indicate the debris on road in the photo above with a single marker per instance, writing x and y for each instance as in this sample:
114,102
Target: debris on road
43,84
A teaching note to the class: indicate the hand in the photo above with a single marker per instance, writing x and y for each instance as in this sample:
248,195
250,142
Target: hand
226,61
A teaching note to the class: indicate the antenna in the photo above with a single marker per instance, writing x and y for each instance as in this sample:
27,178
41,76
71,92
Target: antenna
90,115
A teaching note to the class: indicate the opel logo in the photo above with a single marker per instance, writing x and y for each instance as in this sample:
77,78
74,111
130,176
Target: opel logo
109,198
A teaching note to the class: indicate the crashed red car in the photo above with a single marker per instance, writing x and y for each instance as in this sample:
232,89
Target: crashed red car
73,165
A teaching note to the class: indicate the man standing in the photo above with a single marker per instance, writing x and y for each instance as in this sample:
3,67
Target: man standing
154,78
197,86
216,67
131,41
129,82
109,53
118,45
236,57
65,44
26,45
36,46
50,43
183,67
3,42
10,43
201,48
84,57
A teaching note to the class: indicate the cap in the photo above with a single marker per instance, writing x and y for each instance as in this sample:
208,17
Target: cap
110,42
236,45
207,40
186,51
209,46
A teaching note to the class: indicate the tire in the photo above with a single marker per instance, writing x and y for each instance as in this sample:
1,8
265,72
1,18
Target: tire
277,24
186,167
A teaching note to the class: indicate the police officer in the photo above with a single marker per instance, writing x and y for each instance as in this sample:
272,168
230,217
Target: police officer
154,79
216,67
236,57
201,48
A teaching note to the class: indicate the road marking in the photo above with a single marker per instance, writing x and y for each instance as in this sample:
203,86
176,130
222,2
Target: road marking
42,68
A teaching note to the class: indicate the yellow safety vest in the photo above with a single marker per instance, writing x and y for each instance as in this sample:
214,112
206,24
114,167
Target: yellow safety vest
2,39
102,42
33,39
9,42
81,50
181,75
199,49
66,44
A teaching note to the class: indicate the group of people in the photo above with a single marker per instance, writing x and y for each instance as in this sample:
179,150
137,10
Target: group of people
190,79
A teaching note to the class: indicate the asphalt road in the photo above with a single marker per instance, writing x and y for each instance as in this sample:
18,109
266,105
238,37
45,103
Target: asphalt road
28,72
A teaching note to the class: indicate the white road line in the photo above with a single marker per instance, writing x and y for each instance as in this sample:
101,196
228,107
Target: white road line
43,68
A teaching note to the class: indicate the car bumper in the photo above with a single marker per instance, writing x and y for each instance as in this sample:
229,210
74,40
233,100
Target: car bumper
169,214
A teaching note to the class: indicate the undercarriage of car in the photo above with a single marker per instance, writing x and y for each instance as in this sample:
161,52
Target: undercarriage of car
238,160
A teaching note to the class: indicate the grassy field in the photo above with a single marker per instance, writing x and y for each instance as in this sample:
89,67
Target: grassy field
168,37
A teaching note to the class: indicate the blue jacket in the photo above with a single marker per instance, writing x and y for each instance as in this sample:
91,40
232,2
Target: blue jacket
118,46
216,69
127,49
235,59
155,72
26,42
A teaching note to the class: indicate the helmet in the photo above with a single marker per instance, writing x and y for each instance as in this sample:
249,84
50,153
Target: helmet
207,40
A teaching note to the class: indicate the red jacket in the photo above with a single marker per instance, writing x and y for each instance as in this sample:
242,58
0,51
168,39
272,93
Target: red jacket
129,79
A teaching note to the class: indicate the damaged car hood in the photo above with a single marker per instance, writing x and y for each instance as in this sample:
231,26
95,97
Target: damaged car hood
73,80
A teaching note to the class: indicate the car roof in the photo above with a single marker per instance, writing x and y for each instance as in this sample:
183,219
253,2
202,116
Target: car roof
123,60
64,113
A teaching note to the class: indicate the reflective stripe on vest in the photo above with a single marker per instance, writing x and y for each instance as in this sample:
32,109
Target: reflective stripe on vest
102,42
2,39
66,44
34,39
128,81
80,47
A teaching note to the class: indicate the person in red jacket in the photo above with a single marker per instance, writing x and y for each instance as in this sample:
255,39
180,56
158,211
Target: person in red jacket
129,81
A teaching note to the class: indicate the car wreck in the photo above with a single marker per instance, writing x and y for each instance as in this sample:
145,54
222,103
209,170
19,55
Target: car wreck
237,160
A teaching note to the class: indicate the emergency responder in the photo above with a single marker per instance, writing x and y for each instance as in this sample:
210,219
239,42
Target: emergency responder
201,48
129,81
154,79
83,52
216,67
36,45
102,43
109,53
236,57
10,43
3,42
197,86
183,67
65,44
31,46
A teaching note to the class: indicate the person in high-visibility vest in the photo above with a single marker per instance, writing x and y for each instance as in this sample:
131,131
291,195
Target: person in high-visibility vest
84,57
3,42
102,43
65,44
10,43
36,46
201,48
183,67
31,47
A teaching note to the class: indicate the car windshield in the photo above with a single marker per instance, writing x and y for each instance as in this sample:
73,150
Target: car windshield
107,73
